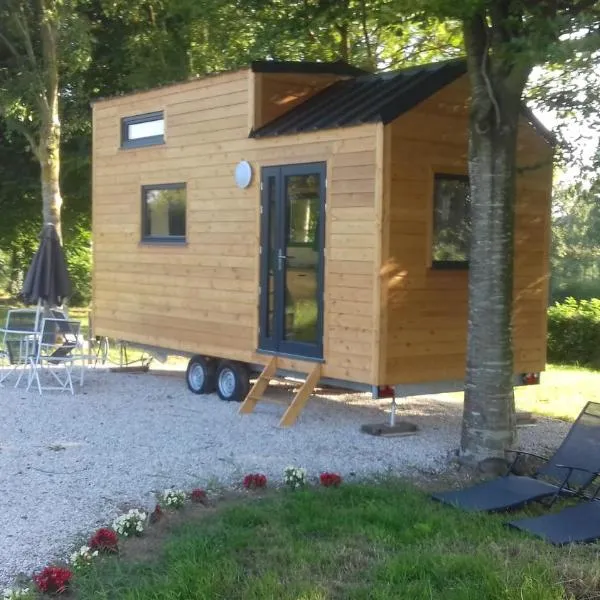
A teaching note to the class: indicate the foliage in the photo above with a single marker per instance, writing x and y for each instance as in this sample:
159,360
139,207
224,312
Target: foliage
574,332
383,541
575,241
173,498
330,479
78,254
294,477
53,580
18,594
254,481
131,523
198,495
82,558
105,540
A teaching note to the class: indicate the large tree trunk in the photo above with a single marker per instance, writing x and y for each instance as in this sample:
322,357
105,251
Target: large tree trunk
49,143
50,174
489,408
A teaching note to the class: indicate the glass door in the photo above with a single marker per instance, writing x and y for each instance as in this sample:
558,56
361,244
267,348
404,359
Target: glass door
292,241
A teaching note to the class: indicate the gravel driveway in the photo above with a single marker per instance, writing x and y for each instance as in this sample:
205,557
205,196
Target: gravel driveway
71,463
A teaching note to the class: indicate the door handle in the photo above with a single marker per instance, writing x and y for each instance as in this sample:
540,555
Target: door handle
281,257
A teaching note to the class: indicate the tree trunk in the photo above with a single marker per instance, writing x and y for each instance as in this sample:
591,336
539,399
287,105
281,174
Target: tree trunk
50,175
49,142
489,406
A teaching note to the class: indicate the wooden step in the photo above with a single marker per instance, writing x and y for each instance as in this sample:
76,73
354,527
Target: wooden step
259,387
302,395
300,399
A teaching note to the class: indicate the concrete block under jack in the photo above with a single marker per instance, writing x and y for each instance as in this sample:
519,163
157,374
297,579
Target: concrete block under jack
400,428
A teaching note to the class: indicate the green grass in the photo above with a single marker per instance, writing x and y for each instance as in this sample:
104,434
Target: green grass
363,541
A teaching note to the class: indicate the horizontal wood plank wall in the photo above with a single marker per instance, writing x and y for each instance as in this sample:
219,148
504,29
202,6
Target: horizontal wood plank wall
203,297
427,308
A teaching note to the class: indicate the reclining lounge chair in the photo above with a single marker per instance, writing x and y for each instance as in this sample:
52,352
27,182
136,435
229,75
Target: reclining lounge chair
568,472
574,524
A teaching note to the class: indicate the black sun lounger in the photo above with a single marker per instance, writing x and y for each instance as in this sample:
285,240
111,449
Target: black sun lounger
579,450
575,524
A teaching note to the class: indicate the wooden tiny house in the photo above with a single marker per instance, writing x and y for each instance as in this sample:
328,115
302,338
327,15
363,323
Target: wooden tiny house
309,212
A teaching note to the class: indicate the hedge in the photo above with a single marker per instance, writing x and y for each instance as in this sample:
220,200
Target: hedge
574,332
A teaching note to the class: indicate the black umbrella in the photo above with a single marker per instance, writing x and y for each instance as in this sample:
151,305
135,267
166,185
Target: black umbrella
47,279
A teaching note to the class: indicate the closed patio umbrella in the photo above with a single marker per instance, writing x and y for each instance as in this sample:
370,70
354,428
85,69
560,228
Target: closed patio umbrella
47,280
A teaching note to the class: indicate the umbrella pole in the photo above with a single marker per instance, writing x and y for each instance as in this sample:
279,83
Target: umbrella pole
37,314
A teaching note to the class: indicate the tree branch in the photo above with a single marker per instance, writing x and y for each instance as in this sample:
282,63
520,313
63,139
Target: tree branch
20,128
11,48
26,38
365,28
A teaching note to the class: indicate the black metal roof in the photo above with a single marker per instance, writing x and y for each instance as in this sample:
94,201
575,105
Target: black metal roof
339,67
366,98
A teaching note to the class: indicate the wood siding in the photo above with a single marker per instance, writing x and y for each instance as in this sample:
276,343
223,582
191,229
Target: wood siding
202,297
425,310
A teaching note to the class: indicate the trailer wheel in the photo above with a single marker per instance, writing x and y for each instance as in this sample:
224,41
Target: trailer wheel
200,375
233,381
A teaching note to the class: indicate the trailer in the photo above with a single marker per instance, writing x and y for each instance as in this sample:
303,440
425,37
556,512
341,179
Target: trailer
308,219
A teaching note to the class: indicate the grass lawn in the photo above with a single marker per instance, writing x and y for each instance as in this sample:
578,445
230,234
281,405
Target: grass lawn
361,541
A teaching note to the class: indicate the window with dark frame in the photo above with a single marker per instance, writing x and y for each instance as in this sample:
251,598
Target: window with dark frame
143,130
451,221
163,213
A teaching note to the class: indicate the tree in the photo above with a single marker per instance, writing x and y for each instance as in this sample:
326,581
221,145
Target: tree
40,41
504,40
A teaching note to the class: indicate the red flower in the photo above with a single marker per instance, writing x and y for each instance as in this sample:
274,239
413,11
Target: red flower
53,580
104,540
157,514
255,480
198,495
330,479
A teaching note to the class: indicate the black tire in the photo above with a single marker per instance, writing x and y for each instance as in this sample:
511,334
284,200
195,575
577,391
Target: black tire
233,381
200,375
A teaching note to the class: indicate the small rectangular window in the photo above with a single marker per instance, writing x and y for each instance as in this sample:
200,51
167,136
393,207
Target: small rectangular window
143,130
451,221
163,212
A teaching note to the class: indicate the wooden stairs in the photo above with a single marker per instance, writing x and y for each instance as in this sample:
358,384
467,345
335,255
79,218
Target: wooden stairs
300,399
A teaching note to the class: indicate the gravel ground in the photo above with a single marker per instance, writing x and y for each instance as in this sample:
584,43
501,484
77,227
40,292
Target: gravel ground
71,463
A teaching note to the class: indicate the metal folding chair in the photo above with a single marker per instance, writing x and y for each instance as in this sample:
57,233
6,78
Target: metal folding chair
57,346
18,336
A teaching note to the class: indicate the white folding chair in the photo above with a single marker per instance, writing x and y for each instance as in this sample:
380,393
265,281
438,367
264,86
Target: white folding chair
18,336
57,346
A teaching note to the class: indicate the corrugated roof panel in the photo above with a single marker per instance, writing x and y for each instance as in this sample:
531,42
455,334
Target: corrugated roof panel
365,99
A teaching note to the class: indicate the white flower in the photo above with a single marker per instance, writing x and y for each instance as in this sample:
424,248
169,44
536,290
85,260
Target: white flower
15,593
130,523
173,498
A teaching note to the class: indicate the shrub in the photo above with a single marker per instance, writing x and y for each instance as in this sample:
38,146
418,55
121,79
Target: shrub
330,479
53,580
198,495
574,332
131,523
105,540
294,477
253,481
173,498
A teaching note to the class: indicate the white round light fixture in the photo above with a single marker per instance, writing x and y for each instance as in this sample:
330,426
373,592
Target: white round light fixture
243,174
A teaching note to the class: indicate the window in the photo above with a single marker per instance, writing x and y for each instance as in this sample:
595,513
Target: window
143,130
163,213
451,221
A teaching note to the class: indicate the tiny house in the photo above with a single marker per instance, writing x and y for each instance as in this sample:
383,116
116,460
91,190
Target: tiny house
305,218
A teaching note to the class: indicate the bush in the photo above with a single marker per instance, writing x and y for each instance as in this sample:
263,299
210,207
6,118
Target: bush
574,332
78,253
581,289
